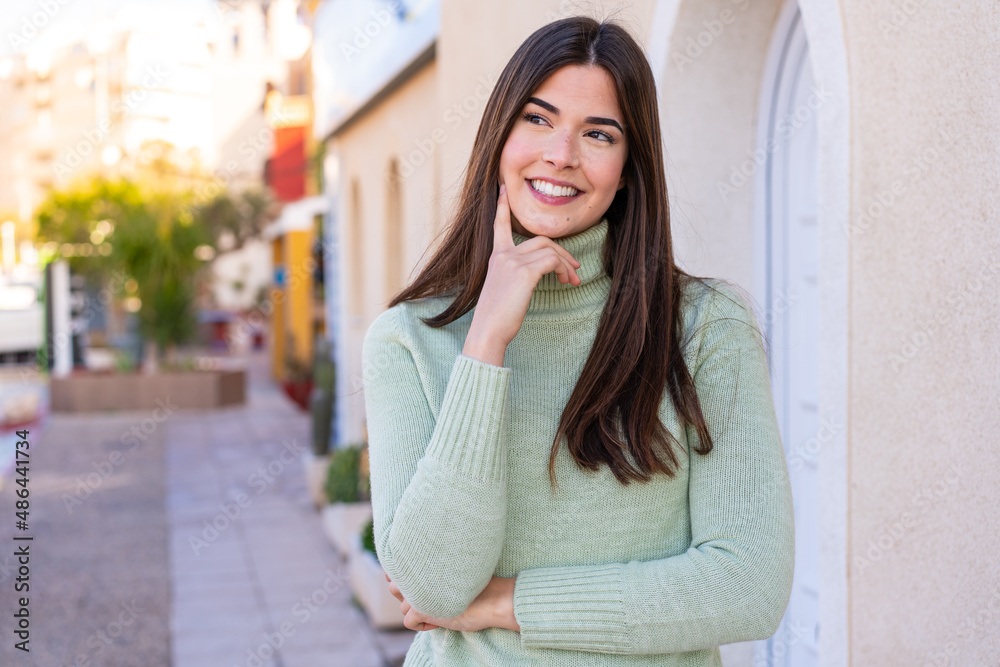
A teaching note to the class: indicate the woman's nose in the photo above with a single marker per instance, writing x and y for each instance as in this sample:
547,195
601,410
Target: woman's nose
560,151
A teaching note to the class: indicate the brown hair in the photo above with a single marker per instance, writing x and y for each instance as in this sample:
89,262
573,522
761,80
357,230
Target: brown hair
637,349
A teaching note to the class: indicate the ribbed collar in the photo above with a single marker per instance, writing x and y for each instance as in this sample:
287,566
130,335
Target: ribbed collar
552,300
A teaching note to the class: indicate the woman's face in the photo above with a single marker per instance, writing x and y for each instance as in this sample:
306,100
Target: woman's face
570,133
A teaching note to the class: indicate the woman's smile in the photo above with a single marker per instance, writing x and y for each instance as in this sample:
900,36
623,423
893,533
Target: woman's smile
556,195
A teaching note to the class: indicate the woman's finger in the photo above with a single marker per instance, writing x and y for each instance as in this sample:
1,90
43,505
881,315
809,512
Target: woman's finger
414,620
396,593
537,242
545,261
502,236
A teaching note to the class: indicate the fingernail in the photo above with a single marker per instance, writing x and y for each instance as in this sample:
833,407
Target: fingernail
503,189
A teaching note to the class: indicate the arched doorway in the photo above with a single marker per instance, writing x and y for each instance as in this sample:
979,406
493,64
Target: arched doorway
787,262
779,229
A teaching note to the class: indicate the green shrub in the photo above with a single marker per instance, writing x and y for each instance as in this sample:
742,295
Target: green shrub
321,402
368,537
365,487
343,479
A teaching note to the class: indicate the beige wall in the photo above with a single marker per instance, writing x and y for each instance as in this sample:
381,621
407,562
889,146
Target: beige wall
401,128
708,112
924,374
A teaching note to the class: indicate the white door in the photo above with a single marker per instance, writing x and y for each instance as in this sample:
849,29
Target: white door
791,290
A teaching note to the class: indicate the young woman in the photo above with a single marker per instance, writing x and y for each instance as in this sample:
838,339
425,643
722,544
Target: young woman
574,453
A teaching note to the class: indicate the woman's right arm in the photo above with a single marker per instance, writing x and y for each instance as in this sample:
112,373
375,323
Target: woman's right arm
438,485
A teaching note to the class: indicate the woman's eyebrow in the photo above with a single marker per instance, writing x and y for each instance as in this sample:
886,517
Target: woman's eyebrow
596,120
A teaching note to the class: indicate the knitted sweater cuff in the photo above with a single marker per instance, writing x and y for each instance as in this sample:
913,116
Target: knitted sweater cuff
572,608
471,432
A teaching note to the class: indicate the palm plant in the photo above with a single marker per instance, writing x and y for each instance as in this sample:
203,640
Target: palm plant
158,250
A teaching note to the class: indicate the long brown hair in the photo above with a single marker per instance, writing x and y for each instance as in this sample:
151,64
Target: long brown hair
637,349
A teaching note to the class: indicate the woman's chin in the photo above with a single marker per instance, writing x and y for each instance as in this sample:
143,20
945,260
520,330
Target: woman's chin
537,227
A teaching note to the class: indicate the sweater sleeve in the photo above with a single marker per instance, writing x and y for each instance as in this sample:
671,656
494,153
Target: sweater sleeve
734,581
438,486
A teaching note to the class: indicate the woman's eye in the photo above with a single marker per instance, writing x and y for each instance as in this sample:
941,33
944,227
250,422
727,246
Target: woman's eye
597,134
607,137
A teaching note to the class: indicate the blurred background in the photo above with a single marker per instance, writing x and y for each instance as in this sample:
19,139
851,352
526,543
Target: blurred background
204,204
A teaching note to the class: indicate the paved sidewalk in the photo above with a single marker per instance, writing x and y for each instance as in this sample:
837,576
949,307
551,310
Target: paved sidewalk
97,573
182,539
255,582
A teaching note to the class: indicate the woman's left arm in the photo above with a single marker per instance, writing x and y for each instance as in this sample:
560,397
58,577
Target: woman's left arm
734,581
492,608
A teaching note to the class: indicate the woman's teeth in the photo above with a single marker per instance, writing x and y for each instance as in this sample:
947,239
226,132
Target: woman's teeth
547,188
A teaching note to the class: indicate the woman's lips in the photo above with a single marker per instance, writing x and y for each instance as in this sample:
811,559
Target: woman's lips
553,201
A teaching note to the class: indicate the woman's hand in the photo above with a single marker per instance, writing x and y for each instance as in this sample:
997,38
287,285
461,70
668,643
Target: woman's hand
492,608
513,273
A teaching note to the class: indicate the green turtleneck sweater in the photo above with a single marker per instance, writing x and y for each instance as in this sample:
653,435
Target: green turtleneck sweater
656,573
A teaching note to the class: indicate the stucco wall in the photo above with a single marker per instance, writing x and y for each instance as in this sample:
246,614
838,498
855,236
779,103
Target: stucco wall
924,373
400,128
710,83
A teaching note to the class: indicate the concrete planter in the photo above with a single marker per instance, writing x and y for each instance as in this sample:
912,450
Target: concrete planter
368,583
95,392
315,469
342,522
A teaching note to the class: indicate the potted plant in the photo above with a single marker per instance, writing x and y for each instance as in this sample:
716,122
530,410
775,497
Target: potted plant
321,408
348,505
297,382
368,581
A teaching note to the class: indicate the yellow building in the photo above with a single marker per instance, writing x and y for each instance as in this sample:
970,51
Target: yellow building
296,313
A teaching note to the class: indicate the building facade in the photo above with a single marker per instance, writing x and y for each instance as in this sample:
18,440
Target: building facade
841,161
111,90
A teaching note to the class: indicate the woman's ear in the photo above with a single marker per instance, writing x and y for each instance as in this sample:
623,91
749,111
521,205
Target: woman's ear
621,182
